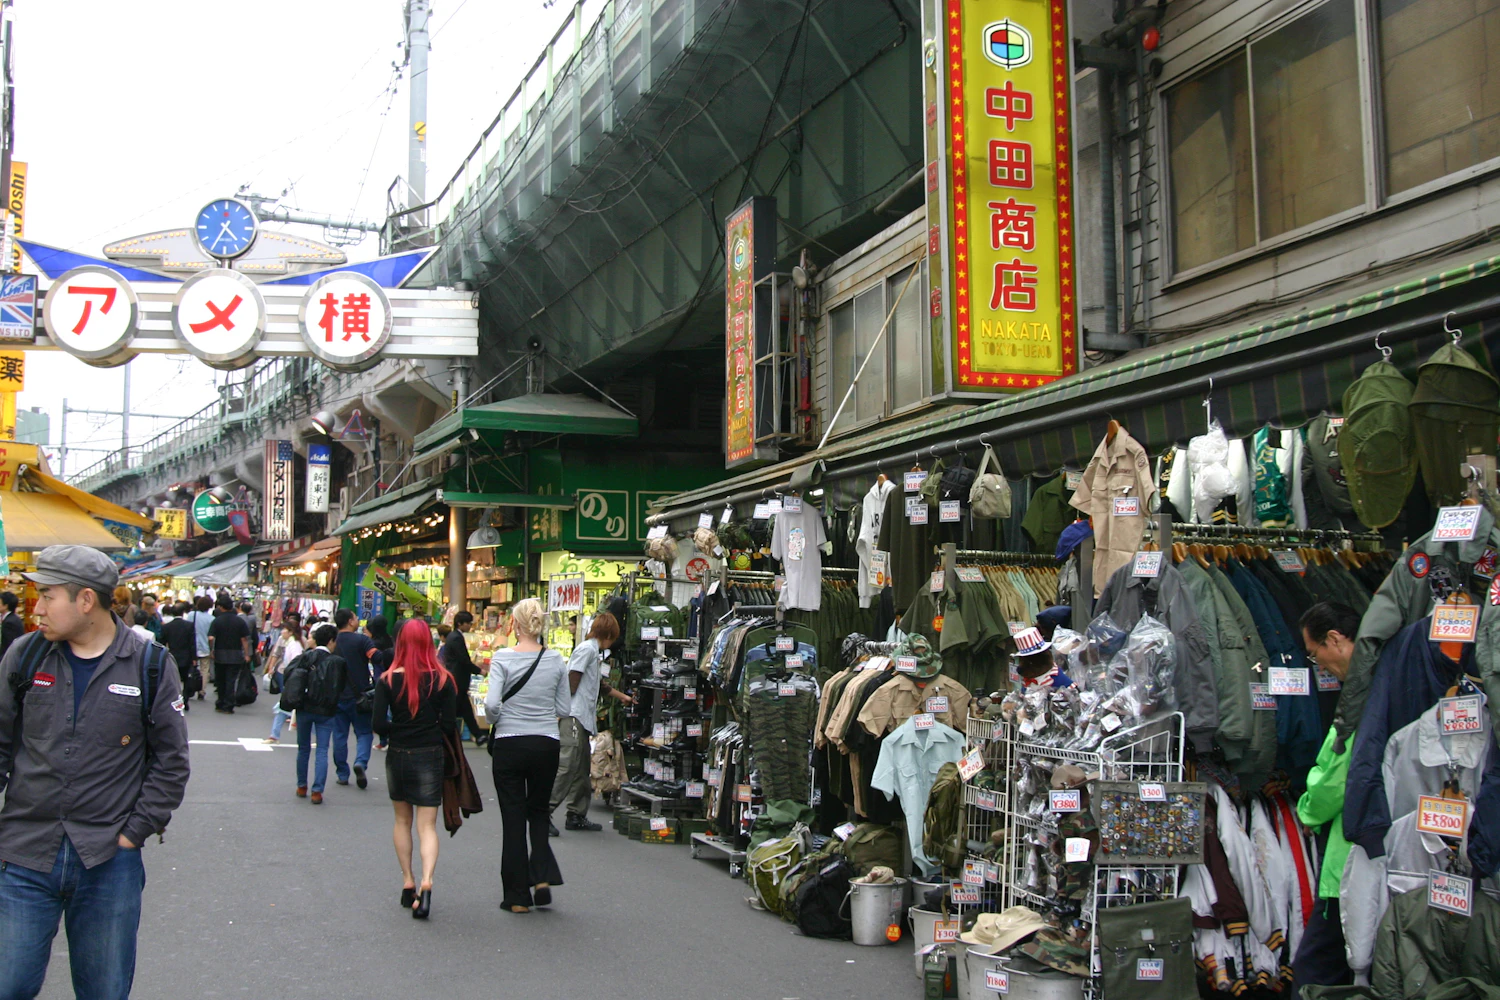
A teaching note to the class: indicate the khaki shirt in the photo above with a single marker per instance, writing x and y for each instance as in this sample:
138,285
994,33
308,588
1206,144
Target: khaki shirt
843,712
902,698
1118,469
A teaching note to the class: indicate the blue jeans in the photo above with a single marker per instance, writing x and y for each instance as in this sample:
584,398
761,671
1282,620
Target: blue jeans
364,737
278,719
101,910
307,727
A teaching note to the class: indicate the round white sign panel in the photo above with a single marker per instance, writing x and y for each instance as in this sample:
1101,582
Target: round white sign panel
219,316
90,312
345,319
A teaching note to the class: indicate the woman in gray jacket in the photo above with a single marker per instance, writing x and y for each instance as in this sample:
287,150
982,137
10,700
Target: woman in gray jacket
528,694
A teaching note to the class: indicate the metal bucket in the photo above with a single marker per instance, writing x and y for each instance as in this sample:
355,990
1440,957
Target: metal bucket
917,895
1033,982
923,930
874,908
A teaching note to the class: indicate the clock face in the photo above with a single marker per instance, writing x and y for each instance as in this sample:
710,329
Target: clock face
225,228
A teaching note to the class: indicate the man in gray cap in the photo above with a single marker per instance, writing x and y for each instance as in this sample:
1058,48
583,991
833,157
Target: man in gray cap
94,765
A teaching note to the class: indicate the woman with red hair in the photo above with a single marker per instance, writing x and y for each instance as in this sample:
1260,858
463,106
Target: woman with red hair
415,704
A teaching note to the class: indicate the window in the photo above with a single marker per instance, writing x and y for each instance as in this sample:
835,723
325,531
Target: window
896,376
1272,140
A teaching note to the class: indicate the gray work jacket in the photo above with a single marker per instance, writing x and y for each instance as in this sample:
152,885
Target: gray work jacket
89,778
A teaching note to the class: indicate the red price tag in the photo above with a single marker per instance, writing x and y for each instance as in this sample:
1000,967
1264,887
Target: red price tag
1065,800
1454,623
1444,817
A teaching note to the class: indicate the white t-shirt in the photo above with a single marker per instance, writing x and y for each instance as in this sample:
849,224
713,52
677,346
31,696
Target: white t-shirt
871,511
795,541
585,704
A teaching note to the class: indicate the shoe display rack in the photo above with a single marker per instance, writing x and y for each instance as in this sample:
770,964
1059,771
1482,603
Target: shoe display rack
668,732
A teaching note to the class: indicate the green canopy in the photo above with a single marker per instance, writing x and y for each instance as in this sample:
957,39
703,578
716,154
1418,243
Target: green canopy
546,413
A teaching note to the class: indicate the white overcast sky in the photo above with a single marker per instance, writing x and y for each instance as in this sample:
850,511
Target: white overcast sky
131,116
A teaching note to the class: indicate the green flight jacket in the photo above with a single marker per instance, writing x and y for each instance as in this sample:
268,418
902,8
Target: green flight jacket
1405,598
1323,802
1259,756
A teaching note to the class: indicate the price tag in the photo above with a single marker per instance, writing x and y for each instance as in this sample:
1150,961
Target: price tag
705,520
695,789
787,691
880,573
742,793
1459,715
936,581
714,777
960,893
988,801
1147,564
997,980
690,653
1289,560
1153,791
906,664
950,510
918,514
650,768
659,531
938,704
973,873
911,482
945,931
1290,681
666,631
794,662
694,729
970,574
1076,849
1072,479
1150,970
1110,722
1260,698
1456,524
1453,893
791,505
659,733
923,720
1327,682
992,872
650,633
658,822
1127,507
785,644
727,516
774,506
761,511
1444,817
1065,800
970,763
1028,729
842,832
1454,623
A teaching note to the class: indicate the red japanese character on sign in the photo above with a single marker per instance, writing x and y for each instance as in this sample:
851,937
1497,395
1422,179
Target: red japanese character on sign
1012,225
355,317
1010,164
221,317
1009,104
1014,289
739,290
108,295
739,326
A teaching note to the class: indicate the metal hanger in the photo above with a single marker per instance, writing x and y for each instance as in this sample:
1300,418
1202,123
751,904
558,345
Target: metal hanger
1385,352
1457,335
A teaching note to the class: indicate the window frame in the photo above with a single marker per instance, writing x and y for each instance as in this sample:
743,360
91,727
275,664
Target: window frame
846,298
1377,197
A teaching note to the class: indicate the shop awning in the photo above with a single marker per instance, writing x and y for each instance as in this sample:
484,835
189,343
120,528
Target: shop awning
207,559
97,506
225,572
391,507
36,520
315,552
1285,371
546,413
453,499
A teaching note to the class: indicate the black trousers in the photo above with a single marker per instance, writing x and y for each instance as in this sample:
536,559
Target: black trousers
226,675
524,769
1320,959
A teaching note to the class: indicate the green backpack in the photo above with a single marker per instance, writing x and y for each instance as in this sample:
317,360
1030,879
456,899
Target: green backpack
780,818
770,862
872,844
942,823
1376,444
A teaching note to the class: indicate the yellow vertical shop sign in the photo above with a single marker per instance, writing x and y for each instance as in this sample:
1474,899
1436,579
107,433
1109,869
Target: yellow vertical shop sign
739,336
15,211
172,522
1010,193
12,381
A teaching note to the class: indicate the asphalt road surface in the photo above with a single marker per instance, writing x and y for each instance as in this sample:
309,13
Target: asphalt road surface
259,894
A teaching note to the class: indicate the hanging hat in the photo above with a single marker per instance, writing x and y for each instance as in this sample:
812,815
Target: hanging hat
1072,536
1376,445
929,663
1029,642
706,542
995,932
1455,413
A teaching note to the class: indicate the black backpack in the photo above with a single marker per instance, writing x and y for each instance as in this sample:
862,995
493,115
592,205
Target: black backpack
821,903
34,648
325,682
294,683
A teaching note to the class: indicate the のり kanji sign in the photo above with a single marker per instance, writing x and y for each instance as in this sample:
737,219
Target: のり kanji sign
345,319
219,316
91,311
1008,193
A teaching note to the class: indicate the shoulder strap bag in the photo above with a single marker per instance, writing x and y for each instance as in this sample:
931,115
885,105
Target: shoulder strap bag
510,693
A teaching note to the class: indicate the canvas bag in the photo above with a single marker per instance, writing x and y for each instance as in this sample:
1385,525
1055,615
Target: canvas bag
1146,950
989,497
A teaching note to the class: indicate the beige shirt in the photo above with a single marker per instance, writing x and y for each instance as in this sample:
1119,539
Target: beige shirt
1119,470
902,698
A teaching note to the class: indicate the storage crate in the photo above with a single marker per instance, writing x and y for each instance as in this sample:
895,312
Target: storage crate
667,835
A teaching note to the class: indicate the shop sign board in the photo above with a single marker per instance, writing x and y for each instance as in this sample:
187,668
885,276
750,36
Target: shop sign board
171,523
319,473
1000,159
210,512
565,592
15,216
18,308
603,515
749,254
370,602
276,521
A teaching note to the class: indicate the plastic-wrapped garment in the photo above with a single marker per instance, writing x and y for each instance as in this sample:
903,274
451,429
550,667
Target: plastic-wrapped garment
1272,495
1208,462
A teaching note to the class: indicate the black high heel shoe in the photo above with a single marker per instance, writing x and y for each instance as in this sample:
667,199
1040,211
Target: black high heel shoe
408,897
424,907
541,895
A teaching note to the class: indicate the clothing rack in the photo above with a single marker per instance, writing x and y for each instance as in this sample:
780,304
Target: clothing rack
1232,531
985,556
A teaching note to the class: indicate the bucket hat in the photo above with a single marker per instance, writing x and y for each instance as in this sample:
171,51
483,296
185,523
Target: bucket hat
997,932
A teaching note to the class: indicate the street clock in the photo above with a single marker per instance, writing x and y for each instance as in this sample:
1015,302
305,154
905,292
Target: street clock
226,228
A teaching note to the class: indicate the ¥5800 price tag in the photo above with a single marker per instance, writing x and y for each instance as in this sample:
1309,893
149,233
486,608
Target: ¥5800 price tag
1444,817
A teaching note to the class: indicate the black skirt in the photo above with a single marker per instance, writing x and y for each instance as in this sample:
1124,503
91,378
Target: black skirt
415,776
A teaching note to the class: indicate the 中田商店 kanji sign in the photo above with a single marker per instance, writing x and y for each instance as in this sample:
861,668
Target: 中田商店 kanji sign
1006,164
